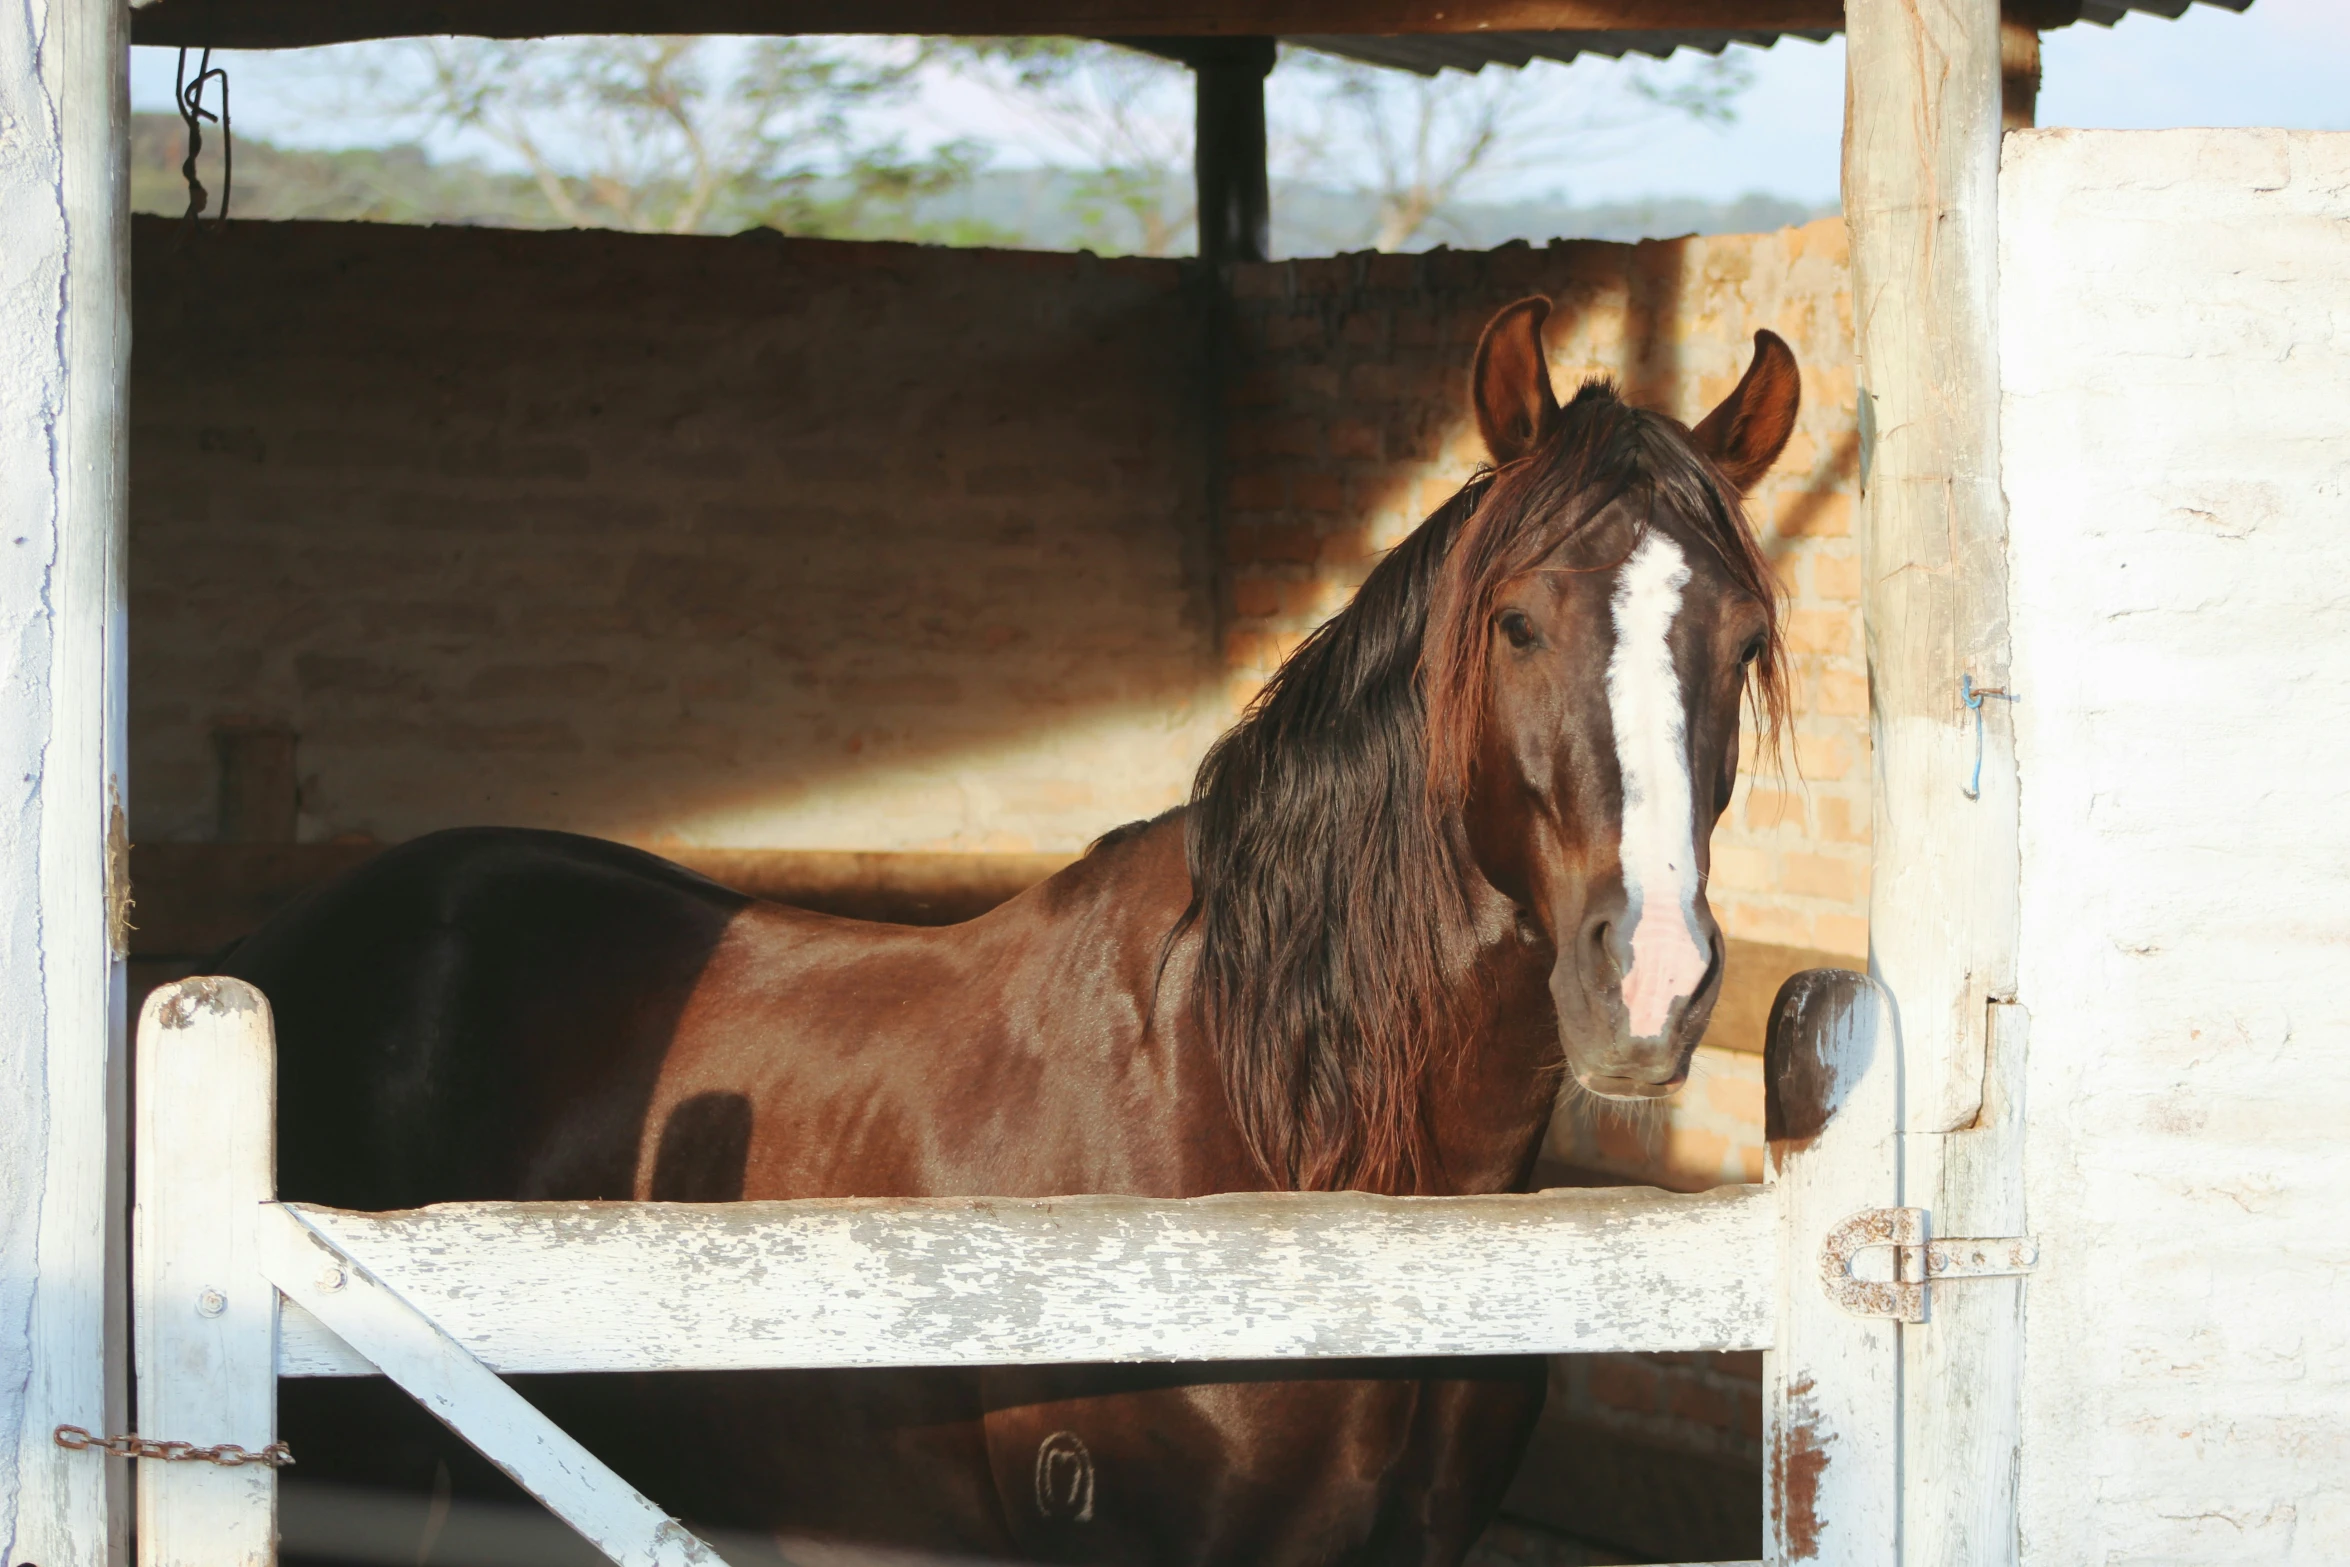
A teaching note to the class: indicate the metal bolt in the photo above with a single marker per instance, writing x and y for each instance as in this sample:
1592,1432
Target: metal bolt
330,1278
211,1303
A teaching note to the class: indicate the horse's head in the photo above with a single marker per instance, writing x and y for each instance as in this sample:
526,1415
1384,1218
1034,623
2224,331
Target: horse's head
1601,619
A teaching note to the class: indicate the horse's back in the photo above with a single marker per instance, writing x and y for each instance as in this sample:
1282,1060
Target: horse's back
478,1014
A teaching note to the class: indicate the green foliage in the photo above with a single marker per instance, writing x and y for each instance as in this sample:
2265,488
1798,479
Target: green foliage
1708,94
397,184
688,135
1119,120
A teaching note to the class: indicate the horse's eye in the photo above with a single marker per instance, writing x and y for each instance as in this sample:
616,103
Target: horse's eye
1517,628
1753,652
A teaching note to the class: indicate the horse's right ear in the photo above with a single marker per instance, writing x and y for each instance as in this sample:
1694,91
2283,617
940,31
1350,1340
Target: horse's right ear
1510,382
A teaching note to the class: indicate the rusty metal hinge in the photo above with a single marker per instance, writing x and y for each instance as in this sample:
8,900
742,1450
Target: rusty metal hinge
1918,1260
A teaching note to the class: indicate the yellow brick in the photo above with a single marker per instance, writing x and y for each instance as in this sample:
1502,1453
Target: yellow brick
1821,876
1750,1163
1769,809
1764,922
1740,1098
1846,935
1840,693
1822,758
1747,870
1841,821
1694,1157
1836,577
1815,514
1822,630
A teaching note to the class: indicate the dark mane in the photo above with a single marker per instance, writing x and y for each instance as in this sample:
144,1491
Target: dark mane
1327,897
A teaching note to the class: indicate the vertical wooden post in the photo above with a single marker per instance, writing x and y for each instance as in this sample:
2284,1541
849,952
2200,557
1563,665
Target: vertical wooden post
1921,165
1831,1380
1228,152
64,358
206,1313
2019,72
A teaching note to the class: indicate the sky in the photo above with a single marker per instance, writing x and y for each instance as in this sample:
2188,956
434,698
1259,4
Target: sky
2282,63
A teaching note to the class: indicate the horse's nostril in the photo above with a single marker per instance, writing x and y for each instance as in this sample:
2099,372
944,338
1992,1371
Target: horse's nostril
1603,941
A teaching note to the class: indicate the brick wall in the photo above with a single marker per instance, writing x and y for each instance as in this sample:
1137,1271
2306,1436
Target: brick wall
769,543
729,542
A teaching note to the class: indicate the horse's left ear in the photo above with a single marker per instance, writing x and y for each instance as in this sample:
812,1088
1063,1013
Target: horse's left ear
1510,381
1746,434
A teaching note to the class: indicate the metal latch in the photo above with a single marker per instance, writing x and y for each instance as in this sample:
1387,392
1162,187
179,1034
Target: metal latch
1917,1261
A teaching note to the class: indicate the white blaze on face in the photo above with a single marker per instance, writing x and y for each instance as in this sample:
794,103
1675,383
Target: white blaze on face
1668,960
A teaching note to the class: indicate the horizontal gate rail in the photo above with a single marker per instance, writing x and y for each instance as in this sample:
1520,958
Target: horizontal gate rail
235,1289
539,1287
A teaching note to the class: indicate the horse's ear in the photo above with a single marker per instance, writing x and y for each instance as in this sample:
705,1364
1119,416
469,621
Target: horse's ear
1510,382
1746,434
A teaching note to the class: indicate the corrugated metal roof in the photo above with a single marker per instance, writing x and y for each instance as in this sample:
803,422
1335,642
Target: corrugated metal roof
1428,53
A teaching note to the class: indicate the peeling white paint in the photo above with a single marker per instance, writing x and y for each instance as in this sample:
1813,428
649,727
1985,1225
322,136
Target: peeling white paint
63,363
534,1287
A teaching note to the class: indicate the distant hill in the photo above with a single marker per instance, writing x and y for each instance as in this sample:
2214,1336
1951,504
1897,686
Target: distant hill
373,185
1043,209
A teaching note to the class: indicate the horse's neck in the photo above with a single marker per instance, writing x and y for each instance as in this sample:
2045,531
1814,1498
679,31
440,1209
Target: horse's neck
1488,1101
1491,1106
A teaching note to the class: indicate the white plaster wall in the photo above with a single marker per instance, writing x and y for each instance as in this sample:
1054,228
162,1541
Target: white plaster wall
2175,338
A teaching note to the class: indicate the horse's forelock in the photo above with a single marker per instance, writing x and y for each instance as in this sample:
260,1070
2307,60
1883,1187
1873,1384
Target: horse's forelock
1603,450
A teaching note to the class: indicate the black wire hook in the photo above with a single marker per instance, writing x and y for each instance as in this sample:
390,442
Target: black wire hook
189,95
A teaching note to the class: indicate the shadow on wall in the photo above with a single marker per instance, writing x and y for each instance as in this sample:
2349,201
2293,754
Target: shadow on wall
742,541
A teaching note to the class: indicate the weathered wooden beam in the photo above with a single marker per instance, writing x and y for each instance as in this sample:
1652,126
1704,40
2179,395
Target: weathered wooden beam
2019,68
207,1316
506,1428
272,24
1229,149
1921,164
1831,1381
64,373
1921,168
532,1287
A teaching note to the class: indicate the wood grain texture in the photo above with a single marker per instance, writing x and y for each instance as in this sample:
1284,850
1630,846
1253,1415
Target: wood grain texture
531,1287
1921,162
206,1316
467,1396
64,365
265,24
1921,156
1963,1367
1831,1382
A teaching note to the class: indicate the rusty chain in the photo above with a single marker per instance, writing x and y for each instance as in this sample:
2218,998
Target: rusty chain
226,1454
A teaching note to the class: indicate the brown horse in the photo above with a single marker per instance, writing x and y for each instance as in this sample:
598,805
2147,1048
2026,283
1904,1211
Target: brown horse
1458,845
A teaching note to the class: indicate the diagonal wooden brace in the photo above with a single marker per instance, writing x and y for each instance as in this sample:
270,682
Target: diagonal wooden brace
470,1399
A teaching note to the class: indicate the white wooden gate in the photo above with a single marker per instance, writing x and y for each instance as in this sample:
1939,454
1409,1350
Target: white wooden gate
234,1289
